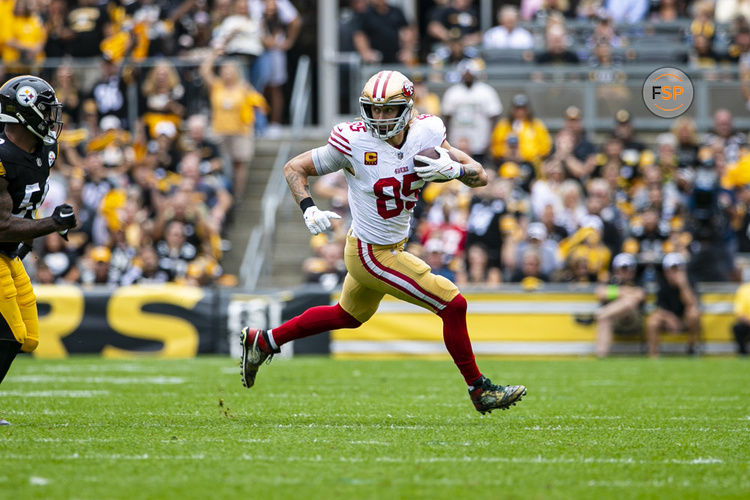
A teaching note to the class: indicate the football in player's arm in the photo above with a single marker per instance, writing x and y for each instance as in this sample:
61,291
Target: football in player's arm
377,155
32,121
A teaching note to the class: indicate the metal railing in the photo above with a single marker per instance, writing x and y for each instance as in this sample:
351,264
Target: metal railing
260,243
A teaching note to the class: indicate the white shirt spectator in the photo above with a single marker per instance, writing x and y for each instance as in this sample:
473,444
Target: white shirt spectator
470,109
242,33
627,11
499,38
287,11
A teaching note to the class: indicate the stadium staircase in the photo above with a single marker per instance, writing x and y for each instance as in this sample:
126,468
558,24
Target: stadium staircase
291,239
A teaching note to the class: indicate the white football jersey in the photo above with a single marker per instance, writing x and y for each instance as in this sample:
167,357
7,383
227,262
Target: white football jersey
383,187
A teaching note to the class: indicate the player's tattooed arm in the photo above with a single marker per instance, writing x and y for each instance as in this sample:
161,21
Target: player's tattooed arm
15,229
474,174
296,171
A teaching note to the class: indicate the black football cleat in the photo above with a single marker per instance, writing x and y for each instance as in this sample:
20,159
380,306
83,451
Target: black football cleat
487,396
253,355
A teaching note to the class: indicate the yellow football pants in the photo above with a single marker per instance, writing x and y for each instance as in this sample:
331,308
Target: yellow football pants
376,270
18,303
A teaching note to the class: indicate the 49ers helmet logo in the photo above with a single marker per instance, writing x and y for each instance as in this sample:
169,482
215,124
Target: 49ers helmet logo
26,96
408,88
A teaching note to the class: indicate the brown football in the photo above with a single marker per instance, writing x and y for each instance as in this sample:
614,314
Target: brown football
431,153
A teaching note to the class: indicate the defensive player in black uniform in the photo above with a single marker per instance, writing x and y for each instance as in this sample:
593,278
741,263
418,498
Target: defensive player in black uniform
28,149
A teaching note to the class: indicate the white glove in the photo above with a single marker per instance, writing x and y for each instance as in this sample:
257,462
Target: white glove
317,220
439,169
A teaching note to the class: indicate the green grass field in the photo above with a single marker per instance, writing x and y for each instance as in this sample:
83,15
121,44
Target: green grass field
87,428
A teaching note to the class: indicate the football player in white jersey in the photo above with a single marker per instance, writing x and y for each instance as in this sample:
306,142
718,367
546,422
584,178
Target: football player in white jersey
377,156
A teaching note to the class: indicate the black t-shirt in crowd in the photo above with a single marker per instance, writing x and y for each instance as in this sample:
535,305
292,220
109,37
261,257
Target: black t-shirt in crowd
87,22
382,31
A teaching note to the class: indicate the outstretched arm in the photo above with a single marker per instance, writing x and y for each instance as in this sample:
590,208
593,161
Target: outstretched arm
16,229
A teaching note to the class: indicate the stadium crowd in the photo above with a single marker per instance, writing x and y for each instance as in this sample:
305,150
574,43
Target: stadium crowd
153,174
560,206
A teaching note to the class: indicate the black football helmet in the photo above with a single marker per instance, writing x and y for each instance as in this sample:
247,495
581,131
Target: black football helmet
31,101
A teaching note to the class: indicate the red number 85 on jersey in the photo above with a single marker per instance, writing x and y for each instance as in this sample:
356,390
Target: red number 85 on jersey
411,185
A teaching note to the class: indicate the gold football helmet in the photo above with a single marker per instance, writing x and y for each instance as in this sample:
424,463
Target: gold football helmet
387,88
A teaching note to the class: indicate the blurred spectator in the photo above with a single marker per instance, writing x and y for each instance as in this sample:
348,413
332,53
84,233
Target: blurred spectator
530,274
668,11
599,202
95,268
586,244
86,20
555,232
540,10
625,131
58,260
703,55
702,23
196,140
453,52
507,35
384,35
546,191
728,10
174,251
425,101
677,307
145,269
59,33
279,34
239,36
686,132
162,96
327,270
457,21
604,33
533,139
233,106
547,251
486,210
621,302
69,93
435,258
470,108
23,50
210,192
627,11
163,155
556,48
725,136
741,327
512,166
110,92
476,270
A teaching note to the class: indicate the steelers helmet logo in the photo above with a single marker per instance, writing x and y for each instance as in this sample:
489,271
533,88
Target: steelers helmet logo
51,158
26,96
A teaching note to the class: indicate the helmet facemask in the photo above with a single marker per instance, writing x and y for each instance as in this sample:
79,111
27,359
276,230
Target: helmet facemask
51,123
387,89
385,128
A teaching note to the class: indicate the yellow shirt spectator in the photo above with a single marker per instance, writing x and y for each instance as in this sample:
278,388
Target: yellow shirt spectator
534,142
25,32
233,108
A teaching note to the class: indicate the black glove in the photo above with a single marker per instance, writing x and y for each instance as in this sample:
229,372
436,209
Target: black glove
64,216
